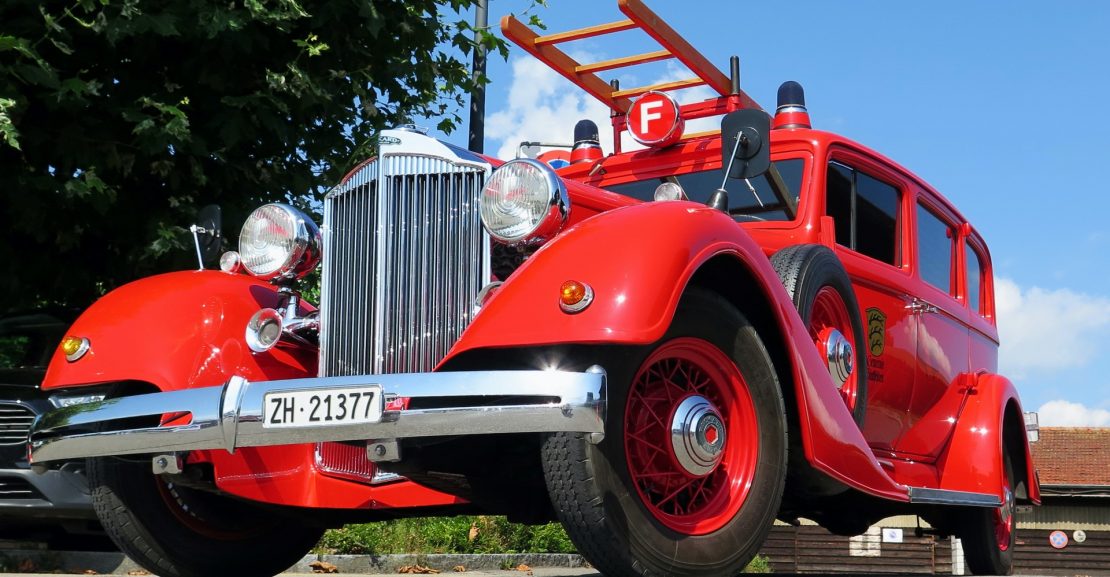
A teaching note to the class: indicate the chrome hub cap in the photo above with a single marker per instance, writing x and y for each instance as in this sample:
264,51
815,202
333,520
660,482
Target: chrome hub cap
1007,510
697,435
839,353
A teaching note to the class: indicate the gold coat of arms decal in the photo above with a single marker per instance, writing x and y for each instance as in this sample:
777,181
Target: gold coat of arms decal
876,331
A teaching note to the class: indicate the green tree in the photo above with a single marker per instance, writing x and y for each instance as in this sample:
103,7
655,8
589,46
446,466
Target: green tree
119,118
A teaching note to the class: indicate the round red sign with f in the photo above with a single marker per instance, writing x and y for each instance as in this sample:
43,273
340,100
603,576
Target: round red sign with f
654,120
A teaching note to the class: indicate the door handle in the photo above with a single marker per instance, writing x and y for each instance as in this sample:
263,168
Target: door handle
918,306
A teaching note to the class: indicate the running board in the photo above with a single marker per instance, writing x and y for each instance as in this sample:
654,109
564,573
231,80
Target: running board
923,496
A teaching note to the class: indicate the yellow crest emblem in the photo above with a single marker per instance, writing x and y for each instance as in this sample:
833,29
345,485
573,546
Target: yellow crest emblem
876,331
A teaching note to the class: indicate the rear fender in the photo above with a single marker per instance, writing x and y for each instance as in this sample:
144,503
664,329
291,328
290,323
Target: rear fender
176,331
638,261
991,418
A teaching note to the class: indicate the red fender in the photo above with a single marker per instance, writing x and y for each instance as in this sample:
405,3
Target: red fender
638,260
975,450
177,331
185,330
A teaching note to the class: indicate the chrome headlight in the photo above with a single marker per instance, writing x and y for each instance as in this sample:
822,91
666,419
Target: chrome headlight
524,201
279,241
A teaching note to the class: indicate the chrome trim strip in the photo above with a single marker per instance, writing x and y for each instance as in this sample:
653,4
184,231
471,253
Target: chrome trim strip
235,411
924,496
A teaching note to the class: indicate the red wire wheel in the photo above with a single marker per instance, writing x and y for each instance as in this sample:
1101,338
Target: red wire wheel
829,320
826,301
1004,521
701,502
988,534
188,515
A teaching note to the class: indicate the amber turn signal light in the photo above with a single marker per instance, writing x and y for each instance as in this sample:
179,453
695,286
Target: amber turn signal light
74,347
575,296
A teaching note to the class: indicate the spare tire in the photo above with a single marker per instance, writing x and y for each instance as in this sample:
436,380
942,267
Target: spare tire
826,302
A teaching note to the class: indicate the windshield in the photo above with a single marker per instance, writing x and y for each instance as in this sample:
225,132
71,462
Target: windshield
743,204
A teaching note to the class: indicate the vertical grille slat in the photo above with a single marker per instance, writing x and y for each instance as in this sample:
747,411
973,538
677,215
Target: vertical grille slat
404,256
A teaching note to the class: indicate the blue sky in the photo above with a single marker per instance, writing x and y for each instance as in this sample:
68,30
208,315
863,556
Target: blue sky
999,105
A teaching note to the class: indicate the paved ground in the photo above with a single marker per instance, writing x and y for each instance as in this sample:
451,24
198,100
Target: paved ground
98,563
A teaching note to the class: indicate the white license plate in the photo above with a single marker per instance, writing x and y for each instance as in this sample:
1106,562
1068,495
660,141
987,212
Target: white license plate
323,407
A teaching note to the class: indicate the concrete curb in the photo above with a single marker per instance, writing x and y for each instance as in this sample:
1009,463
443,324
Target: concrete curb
117,564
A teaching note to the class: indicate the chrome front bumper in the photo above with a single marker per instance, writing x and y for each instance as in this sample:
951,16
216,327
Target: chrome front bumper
230,416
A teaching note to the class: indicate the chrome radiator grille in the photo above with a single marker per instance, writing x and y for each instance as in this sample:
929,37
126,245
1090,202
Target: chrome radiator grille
404,256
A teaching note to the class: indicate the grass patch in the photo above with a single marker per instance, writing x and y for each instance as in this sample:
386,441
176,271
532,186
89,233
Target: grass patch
458,535
462,535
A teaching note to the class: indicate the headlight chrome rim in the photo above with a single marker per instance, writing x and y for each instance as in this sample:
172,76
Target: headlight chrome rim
278,242
548,213
264,330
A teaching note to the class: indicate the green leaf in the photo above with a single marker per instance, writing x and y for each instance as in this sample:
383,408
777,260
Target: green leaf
8,133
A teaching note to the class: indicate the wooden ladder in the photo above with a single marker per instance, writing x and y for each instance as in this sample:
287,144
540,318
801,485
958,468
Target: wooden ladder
545,48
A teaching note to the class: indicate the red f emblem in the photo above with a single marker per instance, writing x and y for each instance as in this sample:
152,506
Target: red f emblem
654,120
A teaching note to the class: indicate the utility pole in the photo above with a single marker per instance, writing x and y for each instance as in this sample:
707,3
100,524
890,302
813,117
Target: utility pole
478,69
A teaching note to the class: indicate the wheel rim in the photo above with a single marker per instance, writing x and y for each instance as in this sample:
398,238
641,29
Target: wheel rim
830,327
694,478
177,505
1004,520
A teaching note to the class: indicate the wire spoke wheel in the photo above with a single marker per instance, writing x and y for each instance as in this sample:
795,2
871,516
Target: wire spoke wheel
830,327
690,474
826,303
691,436
988,534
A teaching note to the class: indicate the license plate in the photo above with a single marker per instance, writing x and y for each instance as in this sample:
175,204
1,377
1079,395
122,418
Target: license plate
323,407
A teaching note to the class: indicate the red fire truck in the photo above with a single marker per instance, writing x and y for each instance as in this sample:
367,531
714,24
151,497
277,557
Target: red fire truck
664,349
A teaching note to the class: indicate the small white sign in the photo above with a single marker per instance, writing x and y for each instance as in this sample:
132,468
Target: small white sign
1079,536
892,535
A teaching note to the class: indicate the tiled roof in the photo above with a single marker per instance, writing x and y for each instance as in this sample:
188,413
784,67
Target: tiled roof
1073,456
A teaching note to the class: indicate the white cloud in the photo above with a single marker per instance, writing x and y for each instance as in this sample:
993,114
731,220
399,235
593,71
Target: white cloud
1060,413
543,106
1044,330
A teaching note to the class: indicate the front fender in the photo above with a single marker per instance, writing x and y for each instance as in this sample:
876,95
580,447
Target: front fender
973,459
176,331
638,261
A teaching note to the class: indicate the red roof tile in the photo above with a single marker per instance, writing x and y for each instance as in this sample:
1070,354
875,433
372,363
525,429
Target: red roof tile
1073,456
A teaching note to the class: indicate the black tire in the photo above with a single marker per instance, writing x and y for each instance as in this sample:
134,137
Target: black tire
805,270
175,531
987,551
604,511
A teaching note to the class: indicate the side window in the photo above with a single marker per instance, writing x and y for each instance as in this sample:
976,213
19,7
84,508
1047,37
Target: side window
934,249
974,279
865,210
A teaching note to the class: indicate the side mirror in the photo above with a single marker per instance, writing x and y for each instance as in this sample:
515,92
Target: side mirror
207,234
745,143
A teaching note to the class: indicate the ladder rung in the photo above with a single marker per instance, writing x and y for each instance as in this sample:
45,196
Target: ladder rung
694,135
585,32
626,61
677,85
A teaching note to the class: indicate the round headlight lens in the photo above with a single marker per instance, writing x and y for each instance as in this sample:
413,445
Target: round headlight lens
279,241
524,201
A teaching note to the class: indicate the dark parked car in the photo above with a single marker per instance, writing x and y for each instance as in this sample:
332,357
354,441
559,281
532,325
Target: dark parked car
55,506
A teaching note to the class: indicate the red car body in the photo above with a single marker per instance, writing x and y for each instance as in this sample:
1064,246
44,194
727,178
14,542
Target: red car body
941,426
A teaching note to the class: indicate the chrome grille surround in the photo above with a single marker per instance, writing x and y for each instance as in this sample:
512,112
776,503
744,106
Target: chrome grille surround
15,423
404,256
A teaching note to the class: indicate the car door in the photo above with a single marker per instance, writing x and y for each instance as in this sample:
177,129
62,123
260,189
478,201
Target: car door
940,376
866,201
